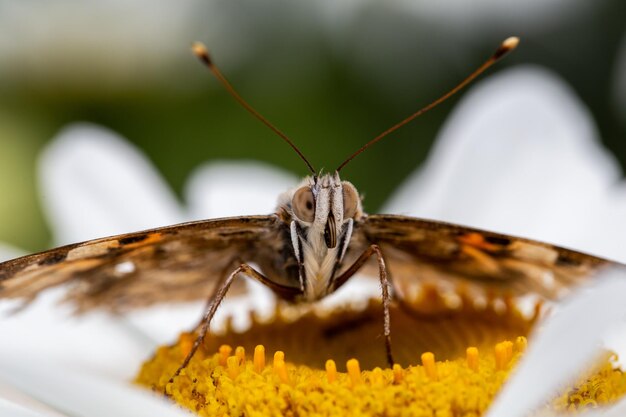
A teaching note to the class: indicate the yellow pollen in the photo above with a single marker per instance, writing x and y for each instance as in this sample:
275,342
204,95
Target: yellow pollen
259,358
331,370
279,356
232,363
428,362
504,354
434,388
354,371
376,377
520,344
472,358
222,381
186,343
240,353
281,370
224,354
500,351
397,373
508,351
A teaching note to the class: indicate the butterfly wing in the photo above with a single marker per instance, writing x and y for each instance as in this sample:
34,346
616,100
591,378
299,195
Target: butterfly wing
174,263
421,252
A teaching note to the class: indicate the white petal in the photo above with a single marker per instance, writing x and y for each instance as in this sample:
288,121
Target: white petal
80,393
96,341
94,184
15,403
520,155
222,189
8,408
162,324
9,252
565,344
606,233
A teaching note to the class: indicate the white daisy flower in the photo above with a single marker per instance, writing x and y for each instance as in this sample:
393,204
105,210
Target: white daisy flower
520,155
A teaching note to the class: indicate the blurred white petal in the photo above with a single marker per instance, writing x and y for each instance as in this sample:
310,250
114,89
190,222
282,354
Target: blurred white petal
8,408
97,341
521,155
222,189
15,403
605,232
9,252
163,323
81,393
564,345
95,184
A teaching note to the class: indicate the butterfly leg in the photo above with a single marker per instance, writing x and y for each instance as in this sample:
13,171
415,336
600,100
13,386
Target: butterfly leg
216,299
384,283
223,274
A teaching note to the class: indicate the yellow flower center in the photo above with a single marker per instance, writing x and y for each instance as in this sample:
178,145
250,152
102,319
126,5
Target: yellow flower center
313,370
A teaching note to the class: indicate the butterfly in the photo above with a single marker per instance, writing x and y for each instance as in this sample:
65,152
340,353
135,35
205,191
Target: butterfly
317,239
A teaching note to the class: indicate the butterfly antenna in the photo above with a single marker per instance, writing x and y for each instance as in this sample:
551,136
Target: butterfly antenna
505,47
201,52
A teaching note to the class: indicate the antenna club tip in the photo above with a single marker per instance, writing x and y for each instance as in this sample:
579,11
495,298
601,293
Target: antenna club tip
506,46
201,52
511,42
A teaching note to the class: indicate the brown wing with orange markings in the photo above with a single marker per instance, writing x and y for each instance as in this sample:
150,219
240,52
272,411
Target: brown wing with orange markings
428,252
175,263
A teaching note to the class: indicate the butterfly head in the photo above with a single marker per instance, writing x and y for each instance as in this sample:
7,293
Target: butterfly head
322,206
320,213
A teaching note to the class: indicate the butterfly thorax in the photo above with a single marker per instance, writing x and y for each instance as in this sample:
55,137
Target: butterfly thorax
320,213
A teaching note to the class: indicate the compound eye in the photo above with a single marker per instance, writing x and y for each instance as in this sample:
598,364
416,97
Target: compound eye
303,204
350,200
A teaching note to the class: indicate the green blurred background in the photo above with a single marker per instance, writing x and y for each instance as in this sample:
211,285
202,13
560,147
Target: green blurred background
330,74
